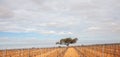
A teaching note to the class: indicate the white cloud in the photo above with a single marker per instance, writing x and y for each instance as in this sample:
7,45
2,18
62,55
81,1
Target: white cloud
55,32
70,33
60,16
33,41
65,33
48,32
93,28
5,12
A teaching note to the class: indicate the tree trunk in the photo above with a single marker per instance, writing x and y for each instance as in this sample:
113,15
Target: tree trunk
68,44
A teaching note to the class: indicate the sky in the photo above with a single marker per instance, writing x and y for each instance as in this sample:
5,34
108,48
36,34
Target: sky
44,22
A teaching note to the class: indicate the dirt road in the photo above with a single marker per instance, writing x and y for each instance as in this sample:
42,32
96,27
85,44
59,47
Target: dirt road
71,52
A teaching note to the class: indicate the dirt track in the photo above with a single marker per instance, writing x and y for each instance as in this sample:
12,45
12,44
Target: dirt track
71,52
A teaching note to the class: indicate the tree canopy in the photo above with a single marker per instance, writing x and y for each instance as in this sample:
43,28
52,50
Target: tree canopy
67,41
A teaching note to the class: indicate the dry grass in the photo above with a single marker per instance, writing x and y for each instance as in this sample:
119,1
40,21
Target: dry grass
111,50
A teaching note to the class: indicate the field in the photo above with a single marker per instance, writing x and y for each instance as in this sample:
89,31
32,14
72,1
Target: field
99,50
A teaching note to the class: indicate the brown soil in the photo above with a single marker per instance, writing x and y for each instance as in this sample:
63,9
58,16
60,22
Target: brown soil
71,52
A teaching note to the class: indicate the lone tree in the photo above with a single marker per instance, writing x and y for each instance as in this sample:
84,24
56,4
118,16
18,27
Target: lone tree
67,41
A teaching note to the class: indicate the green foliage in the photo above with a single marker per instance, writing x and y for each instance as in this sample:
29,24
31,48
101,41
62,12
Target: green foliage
67,41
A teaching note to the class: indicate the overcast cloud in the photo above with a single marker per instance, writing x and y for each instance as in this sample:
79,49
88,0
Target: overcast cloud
85,19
